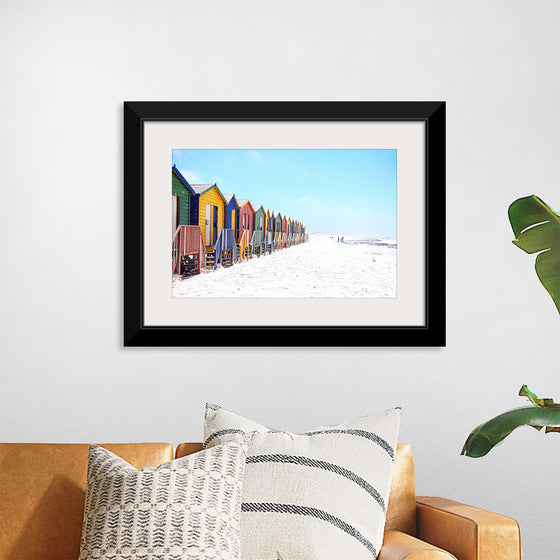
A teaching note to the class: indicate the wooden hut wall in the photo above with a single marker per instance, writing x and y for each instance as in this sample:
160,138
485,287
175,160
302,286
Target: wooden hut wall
259,219
232,215
278,224
211,197
195,206
179,189
247,218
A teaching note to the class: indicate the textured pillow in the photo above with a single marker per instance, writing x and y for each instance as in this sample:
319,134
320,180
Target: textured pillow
321,495
185,509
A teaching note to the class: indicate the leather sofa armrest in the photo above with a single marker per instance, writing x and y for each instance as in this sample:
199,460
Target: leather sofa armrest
401,546
467,532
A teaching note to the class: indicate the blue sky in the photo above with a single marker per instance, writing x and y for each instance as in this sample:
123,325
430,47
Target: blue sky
330,191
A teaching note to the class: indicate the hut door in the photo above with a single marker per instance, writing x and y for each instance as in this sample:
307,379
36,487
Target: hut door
208,225
233,220
215,224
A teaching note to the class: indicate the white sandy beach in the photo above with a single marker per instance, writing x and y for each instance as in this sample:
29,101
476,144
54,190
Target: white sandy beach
321,268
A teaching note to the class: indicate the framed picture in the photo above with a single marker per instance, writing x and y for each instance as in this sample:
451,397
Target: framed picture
292,224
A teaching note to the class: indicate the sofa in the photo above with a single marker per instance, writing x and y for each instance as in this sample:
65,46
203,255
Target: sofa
42,493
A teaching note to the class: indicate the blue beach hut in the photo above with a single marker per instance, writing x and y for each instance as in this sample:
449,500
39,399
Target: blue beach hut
225,247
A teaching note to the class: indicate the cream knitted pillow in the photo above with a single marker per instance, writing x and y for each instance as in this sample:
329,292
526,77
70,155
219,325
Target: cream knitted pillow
187,509
321,495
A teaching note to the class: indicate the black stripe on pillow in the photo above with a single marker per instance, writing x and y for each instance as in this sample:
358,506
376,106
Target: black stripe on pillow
315,463
360,433
221,433
312,512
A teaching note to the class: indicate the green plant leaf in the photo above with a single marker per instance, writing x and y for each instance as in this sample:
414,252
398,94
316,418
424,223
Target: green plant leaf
483,438
536,227
541,403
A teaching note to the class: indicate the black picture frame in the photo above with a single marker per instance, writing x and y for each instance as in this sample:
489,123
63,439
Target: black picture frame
432,333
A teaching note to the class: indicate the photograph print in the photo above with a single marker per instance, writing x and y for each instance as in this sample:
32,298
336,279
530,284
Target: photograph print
284,223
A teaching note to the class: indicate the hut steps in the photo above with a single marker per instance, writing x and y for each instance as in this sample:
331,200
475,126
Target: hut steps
210,258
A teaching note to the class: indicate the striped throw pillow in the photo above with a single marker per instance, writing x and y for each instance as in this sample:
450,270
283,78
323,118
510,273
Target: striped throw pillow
187,509
320,495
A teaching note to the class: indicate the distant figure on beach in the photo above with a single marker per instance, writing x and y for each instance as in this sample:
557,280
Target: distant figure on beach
342,239
338,239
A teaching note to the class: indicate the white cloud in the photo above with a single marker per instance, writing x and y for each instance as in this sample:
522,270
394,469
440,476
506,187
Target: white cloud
192,176
256,156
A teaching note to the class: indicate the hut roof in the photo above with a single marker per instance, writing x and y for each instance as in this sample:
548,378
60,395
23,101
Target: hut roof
182,179
243,201
229,196
203,188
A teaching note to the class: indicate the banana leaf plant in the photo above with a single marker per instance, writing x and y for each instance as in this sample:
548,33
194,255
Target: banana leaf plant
543,413
536,227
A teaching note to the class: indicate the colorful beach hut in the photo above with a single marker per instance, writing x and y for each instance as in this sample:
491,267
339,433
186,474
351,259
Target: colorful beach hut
259,219
284,232
187,246
181,195
246,216
272,229
267,232
225,247
246,228
232,212
257,239
290,232
278,220
211,213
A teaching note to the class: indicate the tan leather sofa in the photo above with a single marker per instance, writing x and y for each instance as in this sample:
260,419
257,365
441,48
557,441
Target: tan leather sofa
42,492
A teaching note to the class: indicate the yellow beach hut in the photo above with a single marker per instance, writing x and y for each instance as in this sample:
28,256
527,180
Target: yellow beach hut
211,211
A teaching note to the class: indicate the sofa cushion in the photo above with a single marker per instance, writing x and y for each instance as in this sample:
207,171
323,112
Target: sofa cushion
42,492
186,509
322,494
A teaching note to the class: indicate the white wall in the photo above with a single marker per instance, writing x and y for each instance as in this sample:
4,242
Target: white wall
66,68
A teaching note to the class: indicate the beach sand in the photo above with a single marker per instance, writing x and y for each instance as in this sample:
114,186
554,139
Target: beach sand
321,268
